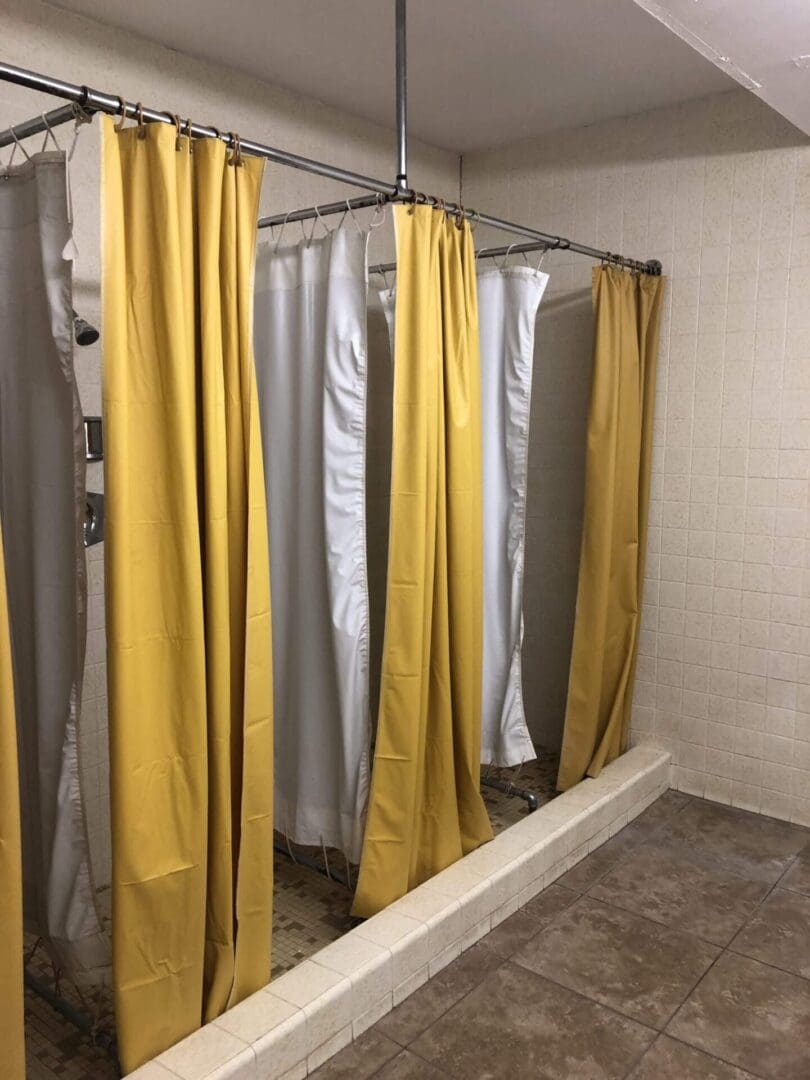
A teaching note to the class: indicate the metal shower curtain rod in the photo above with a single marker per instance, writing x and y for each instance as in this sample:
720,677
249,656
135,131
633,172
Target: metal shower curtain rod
93,101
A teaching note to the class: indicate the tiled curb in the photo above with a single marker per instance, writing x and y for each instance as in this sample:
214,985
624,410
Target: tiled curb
304,1017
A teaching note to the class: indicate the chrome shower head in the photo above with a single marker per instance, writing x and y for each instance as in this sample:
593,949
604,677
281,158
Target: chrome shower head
84,332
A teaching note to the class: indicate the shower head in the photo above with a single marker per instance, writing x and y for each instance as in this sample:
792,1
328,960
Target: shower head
85,332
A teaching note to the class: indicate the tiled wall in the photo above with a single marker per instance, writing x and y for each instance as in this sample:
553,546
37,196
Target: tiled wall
47,39
719,190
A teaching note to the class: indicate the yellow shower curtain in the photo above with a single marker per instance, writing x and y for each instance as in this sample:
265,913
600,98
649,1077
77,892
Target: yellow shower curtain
12,1039
425,808
188,593
627,313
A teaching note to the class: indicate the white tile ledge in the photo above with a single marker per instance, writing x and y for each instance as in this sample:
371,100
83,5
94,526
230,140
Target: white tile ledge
308,1014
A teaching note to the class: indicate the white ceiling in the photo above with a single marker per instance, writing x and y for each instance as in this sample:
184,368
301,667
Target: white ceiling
481,72
765,47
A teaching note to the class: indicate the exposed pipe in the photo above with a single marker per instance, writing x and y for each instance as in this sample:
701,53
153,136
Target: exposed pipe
102,1039
402,94
95,101
508,788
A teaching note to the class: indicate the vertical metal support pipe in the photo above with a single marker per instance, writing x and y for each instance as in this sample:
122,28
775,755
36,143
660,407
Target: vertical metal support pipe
402,96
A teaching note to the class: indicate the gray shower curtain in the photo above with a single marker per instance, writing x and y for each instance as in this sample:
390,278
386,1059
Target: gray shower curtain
42,500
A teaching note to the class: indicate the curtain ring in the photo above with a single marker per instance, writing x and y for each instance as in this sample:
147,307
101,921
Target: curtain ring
236,154
141,121
81,115
460,216
122,105
476,221
176,120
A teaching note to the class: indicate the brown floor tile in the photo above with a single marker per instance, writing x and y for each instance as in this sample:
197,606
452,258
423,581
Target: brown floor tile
798,876
407,1066
750,1015
512,933
518,1024
361,1059
548,904
656,815
433,999
779,933
668,1059
756,847
663,883
594,866
620,960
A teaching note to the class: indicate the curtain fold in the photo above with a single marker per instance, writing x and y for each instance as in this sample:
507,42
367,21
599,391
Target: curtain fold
507,307
42,505
627,313
188,596
12,1029
311,360
425,808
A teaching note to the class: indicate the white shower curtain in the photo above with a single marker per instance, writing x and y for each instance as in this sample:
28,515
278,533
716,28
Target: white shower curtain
310,344
507,307
42,502
508,299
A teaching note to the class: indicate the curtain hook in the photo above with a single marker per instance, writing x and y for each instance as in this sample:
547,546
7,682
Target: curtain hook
475,220
189,136
380,209
141,121
315,221
281,230
316,217
502,264
353,216
543,252
122,105
82,116
48,134
18,146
